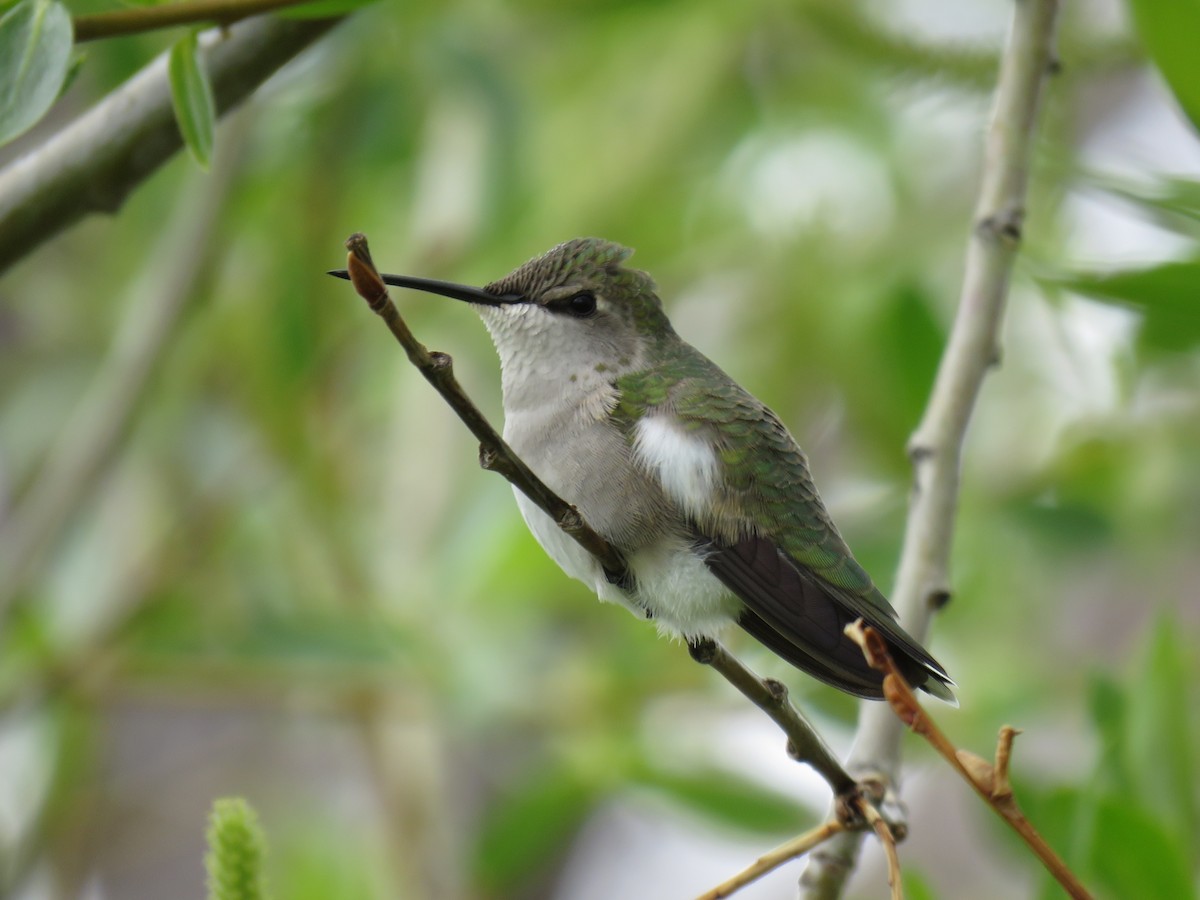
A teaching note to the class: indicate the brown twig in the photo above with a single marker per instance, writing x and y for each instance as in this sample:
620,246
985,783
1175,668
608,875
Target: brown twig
771,696
190,12
855,810
773,859
888,839
989,781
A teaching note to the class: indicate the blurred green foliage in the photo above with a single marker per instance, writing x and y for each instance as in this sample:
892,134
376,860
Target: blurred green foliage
285,578
1129,827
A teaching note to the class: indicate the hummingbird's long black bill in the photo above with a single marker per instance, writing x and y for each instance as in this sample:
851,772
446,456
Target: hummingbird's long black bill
444,288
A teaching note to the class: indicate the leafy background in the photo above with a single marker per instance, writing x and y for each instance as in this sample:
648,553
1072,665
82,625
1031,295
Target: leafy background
280,574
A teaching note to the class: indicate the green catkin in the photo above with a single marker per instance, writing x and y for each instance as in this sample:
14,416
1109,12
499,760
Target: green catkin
236,852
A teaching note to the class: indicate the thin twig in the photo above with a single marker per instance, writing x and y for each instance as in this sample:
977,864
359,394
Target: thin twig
936,445
804,744
773,859
856,809
771,696
115,23
990,782
888,839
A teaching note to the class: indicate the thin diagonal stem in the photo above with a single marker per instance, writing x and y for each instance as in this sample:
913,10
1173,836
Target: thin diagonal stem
773,859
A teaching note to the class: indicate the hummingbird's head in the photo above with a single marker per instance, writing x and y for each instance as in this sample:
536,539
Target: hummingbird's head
574,315
581,319
580,287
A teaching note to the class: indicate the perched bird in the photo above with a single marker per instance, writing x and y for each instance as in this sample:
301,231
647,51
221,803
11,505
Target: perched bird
699,485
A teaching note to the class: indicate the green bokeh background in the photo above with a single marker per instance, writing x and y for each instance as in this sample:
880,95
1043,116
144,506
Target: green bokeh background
287,578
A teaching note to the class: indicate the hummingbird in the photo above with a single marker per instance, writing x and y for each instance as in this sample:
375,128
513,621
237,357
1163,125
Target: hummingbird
698,485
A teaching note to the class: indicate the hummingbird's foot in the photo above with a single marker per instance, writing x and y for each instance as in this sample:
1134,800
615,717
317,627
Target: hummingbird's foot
702,649
624,580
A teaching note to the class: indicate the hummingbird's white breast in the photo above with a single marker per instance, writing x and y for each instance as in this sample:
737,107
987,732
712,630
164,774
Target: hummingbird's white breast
559,394
684,462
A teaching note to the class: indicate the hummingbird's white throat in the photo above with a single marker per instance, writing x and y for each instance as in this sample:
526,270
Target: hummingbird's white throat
551,360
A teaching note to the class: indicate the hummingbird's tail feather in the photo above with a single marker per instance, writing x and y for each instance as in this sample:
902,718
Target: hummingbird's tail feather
802,618
852,682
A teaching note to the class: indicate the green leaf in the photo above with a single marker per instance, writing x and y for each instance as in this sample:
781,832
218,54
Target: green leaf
1112,843
728,800
173,631
1160,734
1165,200
916,887
191,95
1110,714
1167,296
1062,815
1068,524
1168,30
910,340
530,828
35,55
1133,855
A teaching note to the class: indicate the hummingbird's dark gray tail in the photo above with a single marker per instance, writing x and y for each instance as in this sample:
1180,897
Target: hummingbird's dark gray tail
802,618
858,680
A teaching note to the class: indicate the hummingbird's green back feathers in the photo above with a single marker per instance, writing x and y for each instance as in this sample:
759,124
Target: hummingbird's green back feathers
764,531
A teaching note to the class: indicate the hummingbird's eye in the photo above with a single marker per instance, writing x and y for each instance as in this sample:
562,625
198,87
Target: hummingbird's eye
582,305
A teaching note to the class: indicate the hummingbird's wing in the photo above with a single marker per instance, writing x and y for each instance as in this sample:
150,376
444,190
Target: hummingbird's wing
739,476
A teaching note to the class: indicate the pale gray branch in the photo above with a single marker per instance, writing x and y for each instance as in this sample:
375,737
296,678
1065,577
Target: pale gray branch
936,446
95,162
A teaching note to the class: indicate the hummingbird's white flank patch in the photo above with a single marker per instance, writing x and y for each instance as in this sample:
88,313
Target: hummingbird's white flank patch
685,463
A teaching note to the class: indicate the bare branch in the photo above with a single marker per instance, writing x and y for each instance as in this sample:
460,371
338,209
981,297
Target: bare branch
773,859
95,162
771,696
884,832
936,446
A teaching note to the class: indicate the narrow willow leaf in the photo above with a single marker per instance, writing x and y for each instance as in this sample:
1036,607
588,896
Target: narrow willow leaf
35,55
531,827
1161,733
1167,296
1135,854
191,95
727,800
1166,200
1168,29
